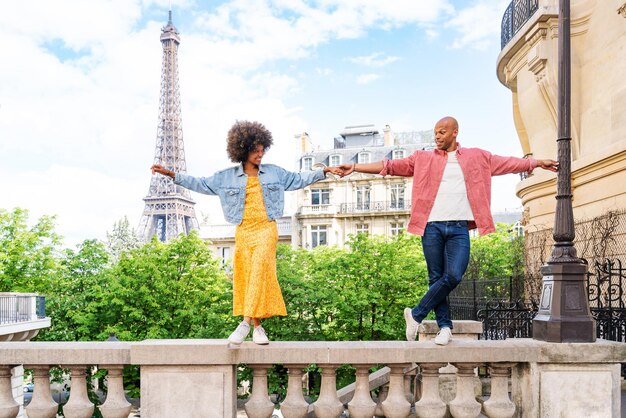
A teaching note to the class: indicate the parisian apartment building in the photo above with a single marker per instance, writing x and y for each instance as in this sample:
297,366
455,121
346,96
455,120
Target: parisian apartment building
330,211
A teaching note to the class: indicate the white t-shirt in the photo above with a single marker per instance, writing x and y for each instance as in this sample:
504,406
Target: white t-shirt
451,203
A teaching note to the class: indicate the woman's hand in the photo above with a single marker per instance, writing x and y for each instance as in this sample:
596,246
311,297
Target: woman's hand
156,168
335,170
346,169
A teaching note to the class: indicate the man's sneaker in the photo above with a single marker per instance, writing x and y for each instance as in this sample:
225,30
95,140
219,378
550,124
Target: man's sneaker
443,336
411,325
259,336
240,333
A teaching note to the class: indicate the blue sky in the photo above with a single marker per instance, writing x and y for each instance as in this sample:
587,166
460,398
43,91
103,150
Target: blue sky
79,89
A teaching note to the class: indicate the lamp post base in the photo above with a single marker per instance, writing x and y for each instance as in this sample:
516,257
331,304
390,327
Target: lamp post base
564,309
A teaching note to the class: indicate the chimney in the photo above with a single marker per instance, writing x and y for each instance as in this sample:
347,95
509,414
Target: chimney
305,143
387,136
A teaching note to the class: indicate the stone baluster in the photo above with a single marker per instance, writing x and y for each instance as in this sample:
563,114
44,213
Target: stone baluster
115,405
465,405
8,407
328,405
42,405
396,405
259,404
79,405
499,404
294,405
430,404
409,377
362,405
382,395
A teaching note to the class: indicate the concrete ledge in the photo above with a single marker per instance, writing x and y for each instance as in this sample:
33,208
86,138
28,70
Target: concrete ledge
52,353
188,352
219,352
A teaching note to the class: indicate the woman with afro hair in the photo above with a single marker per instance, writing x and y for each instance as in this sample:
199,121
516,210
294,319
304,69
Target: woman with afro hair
252,196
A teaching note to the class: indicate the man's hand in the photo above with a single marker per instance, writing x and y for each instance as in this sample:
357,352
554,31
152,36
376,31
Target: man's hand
346,169
548,165
156,168
335,170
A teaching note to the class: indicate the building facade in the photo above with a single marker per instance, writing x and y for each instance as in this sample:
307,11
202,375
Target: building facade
528,66
222,238
330,211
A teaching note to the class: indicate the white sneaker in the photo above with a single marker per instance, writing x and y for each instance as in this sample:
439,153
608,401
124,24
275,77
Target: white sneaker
443,336
240,333
259,336
411,325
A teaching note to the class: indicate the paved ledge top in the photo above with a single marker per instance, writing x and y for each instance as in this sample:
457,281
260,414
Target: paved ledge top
220,352
154,352
66,353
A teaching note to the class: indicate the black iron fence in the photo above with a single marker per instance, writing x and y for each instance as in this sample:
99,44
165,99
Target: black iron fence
515,15
502,308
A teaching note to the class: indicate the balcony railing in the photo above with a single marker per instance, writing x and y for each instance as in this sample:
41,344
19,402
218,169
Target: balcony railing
317,209
16,308
188,378
515,16
374,207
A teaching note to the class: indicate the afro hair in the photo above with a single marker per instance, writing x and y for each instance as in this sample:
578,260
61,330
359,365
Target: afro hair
243,138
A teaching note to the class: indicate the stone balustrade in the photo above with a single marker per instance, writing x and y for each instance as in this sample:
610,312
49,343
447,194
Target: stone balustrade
197,378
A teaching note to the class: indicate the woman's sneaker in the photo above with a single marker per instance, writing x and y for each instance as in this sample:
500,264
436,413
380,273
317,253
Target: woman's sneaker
259,336
240,333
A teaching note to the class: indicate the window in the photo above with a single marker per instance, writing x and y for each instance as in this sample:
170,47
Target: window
518,229
318,235
307,163
397,196
320,196
363,198
226,254
397,154
396,228
334,160
364,157
362,229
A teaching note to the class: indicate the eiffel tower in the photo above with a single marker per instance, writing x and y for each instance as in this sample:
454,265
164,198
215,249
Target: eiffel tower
169,209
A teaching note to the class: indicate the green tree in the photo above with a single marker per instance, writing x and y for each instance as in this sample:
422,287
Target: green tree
28,254
122,238
82,282
497,255
355,293
167,290
380,277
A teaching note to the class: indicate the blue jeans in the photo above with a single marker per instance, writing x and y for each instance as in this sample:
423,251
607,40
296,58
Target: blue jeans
446,247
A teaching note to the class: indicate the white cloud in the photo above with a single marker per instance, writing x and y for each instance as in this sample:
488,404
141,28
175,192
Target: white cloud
79,89
377,59
78,197
367,78
478,25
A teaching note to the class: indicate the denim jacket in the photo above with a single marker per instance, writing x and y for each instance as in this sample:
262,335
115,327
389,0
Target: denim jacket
230,186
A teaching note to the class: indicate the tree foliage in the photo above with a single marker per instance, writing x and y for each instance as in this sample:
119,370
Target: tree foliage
356,293
497,255
173,290
122,238
28,254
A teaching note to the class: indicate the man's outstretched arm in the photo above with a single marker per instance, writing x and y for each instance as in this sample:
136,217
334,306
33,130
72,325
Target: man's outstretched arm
548,165
371,168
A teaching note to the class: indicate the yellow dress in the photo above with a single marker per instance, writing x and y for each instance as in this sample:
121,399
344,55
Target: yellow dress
256,292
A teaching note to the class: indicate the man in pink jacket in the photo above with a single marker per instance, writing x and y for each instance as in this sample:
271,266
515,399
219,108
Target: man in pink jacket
451,195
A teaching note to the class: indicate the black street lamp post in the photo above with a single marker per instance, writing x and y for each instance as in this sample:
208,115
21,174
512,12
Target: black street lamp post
564,308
